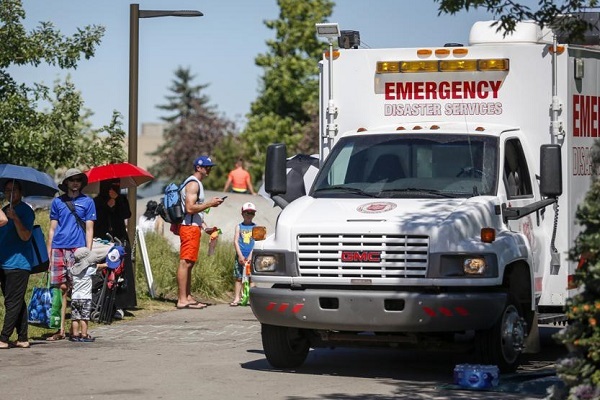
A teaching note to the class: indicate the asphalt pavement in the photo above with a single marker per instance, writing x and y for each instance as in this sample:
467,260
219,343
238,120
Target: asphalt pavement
216,353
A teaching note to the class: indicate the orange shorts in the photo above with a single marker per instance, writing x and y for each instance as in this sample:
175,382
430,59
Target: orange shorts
189,236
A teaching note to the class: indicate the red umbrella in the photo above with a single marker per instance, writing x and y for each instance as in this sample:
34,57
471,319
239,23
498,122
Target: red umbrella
129,174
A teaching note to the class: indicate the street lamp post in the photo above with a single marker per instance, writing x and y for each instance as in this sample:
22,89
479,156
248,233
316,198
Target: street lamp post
134,39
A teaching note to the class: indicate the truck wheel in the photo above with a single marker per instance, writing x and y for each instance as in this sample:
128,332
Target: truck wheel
284,347
502,344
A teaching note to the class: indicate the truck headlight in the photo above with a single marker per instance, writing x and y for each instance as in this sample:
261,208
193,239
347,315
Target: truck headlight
463,266
265,263
474,266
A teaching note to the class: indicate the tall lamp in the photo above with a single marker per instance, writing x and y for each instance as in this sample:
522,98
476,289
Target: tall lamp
134,38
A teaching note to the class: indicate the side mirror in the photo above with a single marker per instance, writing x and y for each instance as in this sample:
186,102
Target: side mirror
550,170
275,169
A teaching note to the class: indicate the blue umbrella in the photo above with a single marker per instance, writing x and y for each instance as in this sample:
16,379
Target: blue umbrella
33,182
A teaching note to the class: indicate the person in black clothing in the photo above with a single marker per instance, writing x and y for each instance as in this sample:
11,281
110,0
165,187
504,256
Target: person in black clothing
112,209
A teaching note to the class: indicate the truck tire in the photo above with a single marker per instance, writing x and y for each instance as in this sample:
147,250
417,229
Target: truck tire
284,347
503,344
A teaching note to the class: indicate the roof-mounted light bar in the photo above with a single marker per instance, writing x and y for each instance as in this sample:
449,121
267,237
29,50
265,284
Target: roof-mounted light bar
493,64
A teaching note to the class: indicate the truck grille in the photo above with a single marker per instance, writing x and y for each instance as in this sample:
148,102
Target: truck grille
363,256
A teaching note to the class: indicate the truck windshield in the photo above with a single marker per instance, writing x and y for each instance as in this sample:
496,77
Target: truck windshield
406,165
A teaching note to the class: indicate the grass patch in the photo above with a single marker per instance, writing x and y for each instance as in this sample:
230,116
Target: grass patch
212,277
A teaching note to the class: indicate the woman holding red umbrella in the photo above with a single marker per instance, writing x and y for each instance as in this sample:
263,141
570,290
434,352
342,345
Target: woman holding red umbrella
112,209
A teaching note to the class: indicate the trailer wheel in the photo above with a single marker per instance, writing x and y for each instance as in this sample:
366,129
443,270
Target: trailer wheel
503,344
284,347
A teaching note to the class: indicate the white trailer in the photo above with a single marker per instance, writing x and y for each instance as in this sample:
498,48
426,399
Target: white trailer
445,203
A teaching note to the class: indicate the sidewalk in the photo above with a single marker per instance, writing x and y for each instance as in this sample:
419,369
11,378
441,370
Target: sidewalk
163,356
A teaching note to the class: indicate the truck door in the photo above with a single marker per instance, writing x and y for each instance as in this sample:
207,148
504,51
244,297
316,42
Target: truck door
519,193
516,173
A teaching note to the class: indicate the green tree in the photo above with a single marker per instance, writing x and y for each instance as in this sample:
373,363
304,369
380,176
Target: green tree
548,13
59,136
194,128
110,137
286,110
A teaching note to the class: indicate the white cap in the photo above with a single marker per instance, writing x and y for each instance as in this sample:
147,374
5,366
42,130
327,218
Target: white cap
248,207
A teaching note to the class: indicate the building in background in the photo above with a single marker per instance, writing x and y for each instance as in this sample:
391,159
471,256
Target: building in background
151,137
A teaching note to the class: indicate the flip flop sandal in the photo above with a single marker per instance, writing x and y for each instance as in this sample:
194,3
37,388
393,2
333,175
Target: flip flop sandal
87,339
192,306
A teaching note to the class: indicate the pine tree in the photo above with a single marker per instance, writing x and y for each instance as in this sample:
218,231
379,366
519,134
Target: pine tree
194,128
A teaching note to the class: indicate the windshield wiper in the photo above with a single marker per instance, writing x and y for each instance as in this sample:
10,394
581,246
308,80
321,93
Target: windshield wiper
420,190
345,189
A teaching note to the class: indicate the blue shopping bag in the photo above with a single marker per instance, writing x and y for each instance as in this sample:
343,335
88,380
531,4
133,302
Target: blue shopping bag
44,307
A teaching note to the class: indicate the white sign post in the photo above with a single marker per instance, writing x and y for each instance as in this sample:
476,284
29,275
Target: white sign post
146,260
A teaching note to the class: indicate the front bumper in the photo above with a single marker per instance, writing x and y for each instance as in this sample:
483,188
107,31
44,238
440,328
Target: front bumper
376,311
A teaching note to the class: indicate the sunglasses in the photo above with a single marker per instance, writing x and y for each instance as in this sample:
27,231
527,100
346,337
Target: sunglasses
75,179
249,212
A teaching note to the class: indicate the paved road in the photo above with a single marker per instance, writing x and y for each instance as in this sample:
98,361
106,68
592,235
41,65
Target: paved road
216,353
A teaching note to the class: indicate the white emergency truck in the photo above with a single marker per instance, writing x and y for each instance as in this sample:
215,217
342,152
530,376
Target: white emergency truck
444,207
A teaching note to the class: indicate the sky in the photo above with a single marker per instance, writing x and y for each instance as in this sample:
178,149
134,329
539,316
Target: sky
219,47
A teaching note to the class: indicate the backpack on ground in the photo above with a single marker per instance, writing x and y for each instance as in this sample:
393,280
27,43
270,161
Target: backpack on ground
170,206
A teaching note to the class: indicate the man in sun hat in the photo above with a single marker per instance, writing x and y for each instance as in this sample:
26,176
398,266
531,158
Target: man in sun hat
72,217
194,205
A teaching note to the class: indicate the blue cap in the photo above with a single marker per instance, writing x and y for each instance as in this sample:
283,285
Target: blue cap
203,161
115,256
